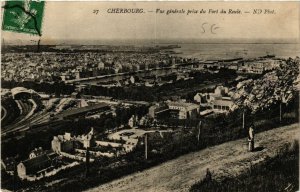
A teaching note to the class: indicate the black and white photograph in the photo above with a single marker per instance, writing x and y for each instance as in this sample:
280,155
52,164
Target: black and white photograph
150,96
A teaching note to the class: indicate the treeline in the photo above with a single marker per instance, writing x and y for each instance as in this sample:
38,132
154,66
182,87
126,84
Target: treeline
140,93
156,93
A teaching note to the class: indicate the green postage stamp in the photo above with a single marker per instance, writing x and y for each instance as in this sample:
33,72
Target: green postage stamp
23,16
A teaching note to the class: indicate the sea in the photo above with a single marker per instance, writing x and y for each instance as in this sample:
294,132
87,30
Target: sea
231,51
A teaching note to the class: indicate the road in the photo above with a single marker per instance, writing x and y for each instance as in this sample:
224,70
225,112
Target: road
228,159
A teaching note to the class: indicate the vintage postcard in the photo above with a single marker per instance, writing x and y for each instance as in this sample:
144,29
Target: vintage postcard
154,96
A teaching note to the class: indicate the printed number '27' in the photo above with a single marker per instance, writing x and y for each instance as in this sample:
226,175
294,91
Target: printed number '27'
96,11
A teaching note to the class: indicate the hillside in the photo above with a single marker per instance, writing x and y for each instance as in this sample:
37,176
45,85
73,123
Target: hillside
225,160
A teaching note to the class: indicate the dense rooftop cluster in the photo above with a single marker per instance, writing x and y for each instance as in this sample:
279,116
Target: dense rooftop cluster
51,66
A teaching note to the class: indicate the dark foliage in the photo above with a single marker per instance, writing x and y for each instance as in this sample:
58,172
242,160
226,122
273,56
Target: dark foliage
156,93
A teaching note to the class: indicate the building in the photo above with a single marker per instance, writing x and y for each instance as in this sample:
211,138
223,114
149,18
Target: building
75,95
197,97
78,75
218,101
101,65
64,77
222,104
8,164
36,152
62,143
67,142
88,139
204,98
35,165
132,79
198,66
81,112
221,90
75,147
159,111
177,110
133,121
252,67
130,145
184,110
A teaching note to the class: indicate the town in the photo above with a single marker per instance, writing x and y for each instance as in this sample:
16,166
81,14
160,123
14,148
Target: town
95,113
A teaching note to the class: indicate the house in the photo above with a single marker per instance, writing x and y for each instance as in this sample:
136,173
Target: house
34,165
218,101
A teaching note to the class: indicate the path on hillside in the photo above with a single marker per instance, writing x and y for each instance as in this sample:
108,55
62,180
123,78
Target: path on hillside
228,159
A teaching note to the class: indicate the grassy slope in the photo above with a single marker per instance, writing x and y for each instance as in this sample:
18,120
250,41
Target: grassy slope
277,174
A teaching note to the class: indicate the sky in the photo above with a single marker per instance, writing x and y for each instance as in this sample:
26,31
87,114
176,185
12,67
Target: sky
75,22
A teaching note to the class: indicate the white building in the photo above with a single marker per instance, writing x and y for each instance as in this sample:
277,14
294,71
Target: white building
218,101
66,142
185,110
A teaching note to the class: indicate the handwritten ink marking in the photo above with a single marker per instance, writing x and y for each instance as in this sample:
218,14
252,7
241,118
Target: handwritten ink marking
212,28
203,28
